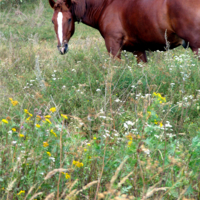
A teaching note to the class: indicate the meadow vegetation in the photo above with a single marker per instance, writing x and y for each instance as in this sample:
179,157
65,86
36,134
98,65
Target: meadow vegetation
83,126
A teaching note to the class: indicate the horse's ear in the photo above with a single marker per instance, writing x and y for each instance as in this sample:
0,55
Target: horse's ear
52,3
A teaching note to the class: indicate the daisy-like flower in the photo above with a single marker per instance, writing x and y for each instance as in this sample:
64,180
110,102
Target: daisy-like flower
14,129
53,109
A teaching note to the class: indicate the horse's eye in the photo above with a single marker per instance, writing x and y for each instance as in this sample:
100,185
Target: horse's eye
52,22
70,19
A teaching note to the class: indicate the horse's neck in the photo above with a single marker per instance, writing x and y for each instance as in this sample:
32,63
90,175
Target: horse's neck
94,9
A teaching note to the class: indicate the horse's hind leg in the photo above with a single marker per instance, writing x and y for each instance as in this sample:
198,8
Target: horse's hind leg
141,56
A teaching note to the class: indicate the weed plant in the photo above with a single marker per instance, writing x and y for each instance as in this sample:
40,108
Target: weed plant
84,126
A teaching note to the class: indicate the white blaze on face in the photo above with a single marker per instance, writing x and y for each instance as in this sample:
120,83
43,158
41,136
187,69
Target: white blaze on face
60,29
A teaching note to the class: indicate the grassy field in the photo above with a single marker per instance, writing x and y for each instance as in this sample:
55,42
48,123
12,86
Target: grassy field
83,126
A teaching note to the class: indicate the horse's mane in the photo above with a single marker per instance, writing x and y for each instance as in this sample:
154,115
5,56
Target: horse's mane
59,3
78,7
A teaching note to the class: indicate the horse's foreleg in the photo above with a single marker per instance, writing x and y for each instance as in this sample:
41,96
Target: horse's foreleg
141,56
113,46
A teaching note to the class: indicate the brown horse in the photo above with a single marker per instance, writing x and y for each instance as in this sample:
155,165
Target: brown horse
132,25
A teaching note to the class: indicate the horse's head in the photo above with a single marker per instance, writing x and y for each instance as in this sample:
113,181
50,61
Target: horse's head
66,12
63,24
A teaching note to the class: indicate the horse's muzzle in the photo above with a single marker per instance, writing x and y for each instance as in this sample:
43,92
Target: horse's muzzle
63,49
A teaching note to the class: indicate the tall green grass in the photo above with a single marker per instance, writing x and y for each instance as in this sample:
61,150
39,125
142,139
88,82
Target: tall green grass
127,131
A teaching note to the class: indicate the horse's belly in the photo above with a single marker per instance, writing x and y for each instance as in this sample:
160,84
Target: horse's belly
160,43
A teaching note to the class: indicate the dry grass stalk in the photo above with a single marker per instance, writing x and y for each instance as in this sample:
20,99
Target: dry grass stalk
72,185
182,193
10,186
64,193
50,196
30,190
79,120
69,187
99,181
87,186
75,192
151,192
35,195
52,173
61,152
116,173
70,194
124,179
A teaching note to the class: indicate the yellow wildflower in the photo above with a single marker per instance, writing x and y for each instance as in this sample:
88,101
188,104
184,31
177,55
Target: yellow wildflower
64,116
47,116
129,137
26,111
94,138
37,125
21,135
155,122
77,163
48,121
27,119
4,121
53,109
45,144
38,117
49,154
85,149
89,144
14,129
161,125
53,132
30,115
14,103
67,176
129,143
149,112
21,192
